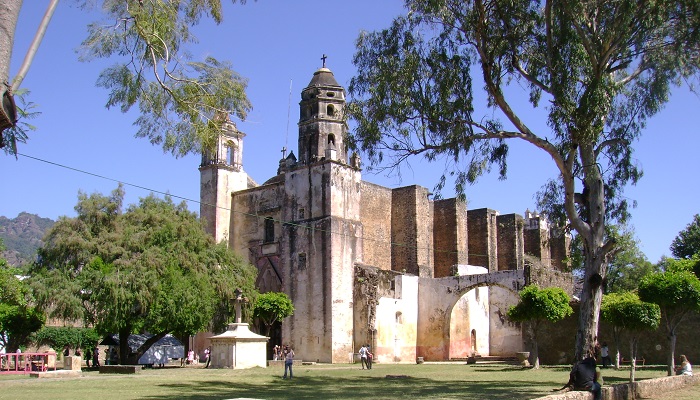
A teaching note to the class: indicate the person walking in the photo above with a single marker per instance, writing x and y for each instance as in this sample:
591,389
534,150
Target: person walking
88,357
288,354
363,356
605,355
207,355
96,357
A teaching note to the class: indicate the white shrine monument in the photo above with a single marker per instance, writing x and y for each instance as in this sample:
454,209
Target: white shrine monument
238,347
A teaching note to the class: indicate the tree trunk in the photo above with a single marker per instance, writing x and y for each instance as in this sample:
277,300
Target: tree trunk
535,356
672,349
124,348
633,358
591,226
9,13
616,337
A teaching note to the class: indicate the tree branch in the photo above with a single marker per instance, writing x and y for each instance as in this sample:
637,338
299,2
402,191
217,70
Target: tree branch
34,46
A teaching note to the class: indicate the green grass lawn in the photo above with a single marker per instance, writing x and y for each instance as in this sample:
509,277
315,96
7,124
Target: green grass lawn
338,381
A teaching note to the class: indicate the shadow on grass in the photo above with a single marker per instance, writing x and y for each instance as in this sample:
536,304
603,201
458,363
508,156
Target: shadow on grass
349,388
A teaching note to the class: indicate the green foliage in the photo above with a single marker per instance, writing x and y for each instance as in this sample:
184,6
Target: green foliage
178,98
150,269
271,307
18,318
687,243
548,304
628,264
601,68
19,132
60,336
671,290
627,311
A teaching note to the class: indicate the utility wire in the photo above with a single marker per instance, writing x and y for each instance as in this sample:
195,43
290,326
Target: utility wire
283,223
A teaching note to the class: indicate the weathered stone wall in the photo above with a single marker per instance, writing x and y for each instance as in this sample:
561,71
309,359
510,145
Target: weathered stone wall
482,238
469,323
629,391
505,337
216,184
321,249
438,296
546,277
558,346
412,231
510,242
537,239
449,235
559,247
375,214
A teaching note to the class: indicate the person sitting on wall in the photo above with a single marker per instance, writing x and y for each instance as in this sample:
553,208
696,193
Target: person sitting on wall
585,376
685,368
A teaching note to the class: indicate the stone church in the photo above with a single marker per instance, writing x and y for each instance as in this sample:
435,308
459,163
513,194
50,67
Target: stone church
365,264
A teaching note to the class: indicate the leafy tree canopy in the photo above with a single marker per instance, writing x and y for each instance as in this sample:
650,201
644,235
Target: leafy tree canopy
677,293
18,318
627,311
150,269
687,243
548,304
271,307
178,97
601,68
628,264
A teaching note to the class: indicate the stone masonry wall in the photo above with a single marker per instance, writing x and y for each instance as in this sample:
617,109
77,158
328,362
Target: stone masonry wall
449,235
375,214
537,239
559,246
412,234
510,242
481,224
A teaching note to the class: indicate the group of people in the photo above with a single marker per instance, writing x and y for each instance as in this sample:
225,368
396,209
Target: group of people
366,356
91,355
585,375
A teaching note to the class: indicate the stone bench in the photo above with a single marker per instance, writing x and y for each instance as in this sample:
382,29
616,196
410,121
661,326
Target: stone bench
626,391
120,369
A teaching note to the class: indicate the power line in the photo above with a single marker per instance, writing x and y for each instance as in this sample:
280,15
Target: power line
283,223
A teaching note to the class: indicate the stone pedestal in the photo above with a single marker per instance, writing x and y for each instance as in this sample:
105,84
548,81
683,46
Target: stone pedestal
51,359
523,358
72,363
238,348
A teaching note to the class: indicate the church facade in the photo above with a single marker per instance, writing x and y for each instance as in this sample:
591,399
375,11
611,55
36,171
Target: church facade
365,264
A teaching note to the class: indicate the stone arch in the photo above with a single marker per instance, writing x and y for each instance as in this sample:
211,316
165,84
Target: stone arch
439,298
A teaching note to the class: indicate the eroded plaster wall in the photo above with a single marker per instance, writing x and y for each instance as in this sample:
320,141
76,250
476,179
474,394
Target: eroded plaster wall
396,321
321,248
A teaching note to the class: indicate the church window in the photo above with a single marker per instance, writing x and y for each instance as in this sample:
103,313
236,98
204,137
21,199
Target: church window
230,153
300,213
473,337
269,230
399,317
330,110
331,139
302,260
330,94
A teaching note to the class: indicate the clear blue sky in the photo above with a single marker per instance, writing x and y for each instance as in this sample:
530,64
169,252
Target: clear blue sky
272,43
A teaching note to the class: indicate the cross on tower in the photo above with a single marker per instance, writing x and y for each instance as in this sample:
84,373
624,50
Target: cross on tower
284,151
324,60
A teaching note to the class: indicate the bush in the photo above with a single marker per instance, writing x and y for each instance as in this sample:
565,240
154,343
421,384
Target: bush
60,336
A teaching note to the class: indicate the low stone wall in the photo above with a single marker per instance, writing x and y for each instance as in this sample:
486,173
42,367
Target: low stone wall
637,390
61,373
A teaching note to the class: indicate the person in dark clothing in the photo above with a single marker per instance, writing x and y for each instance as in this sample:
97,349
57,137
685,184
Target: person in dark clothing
88,357
585,376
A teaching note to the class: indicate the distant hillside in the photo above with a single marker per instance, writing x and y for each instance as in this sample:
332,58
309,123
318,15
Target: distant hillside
22,236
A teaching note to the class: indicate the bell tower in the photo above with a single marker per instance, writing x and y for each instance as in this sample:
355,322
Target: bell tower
221,173
322,128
